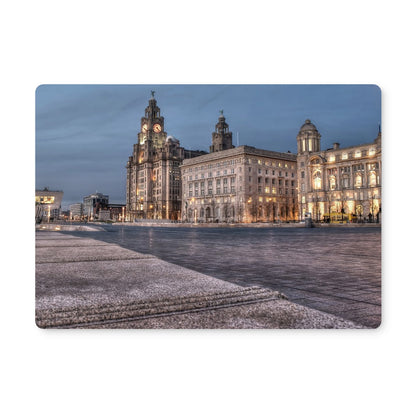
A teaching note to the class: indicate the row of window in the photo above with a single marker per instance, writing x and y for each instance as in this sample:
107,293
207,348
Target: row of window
372,180
235,161
345,155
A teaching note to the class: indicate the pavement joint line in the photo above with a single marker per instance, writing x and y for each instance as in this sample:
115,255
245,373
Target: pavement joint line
150,257
76,246
326,295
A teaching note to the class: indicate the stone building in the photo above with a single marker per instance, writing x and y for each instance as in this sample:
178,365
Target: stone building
153,187
241,184
338,184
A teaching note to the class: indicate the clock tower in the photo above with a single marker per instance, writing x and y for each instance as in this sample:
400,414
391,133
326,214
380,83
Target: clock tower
152,125
153,188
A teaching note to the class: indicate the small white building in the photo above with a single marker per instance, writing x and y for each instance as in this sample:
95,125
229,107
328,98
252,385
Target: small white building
48,205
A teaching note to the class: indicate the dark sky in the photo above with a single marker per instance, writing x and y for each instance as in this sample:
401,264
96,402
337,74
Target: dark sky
85,133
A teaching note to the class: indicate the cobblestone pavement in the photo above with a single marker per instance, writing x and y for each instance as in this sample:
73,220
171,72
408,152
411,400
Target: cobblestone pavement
335,270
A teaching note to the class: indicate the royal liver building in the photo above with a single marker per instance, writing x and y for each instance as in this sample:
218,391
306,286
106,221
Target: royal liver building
153,188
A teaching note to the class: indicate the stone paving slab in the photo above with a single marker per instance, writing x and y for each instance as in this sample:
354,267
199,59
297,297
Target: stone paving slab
106,286
96,252
276,314
70,242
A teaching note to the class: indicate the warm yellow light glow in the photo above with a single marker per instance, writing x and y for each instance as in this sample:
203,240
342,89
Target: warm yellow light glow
373,180
45,199
331,158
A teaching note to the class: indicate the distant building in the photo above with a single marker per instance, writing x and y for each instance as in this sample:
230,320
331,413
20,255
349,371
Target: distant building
47,204
76,211
93,204
153,186
338,184
241,184
117,212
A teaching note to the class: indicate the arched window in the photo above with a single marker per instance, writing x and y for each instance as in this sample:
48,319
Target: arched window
358,181
332,183
317,181
372,179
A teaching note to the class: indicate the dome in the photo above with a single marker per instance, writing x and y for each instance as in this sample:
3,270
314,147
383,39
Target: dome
171,139
308,126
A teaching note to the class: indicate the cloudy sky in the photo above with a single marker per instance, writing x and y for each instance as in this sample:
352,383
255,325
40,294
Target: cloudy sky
85,133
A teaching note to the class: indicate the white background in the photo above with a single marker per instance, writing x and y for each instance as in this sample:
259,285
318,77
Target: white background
207,372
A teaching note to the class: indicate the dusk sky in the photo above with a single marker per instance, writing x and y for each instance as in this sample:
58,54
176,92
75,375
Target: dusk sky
85,133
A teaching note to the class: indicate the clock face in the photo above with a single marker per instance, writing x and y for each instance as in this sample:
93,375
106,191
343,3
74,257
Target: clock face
144,128
157,128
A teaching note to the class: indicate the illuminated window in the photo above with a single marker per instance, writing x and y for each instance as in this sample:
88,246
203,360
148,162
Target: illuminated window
372,179
317,181
344,156
358,181
372,152
331,158
357,153
332,183
45,199
267,189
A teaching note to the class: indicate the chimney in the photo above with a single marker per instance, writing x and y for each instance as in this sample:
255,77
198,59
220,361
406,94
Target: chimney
336,146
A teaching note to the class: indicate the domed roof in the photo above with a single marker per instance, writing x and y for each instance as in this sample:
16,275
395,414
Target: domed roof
171,139
308,126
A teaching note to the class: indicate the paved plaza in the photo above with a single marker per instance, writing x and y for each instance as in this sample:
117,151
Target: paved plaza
87,283
335,270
